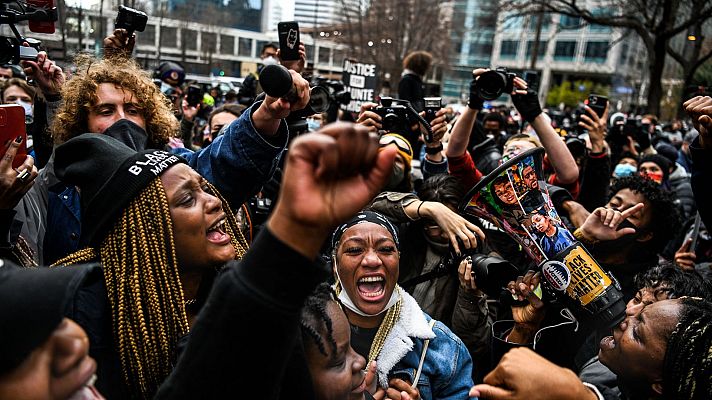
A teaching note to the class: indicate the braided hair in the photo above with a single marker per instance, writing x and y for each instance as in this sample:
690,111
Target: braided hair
142,279
687,369
315,318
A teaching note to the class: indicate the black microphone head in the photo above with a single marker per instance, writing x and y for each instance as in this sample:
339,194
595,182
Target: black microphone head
276,80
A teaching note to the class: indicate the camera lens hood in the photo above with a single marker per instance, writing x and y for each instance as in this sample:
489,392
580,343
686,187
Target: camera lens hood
491,85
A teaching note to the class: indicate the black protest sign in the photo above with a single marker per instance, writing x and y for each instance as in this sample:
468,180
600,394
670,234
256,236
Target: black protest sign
359,80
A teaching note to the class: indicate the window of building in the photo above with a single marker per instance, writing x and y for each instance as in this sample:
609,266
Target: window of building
338,57
596,51
227,44
540,52
245,47
169,36
481,48
624,54
508,49
209,42
534,20
148,36
189,39
324,55
567,22
565,50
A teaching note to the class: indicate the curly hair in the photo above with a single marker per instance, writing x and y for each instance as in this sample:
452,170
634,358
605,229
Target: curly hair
418,62
674,280
665,216
79,95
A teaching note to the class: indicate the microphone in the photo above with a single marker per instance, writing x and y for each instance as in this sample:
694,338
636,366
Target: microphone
276,81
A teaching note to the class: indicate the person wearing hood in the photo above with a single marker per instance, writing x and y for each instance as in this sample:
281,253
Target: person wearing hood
679,180
659,169
118,99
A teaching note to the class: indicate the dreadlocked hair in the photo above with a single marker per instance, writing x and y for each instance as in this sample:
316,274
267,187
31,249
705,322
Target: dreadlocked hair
687,369
143,285
315,317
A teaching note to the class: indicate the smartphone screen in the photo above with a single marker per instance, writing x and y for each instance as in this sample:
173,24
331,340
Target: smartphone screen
288,40
41,26
12,125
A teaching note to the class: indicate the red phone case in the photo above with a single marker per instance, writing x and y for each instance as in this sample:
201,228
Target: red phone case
12,125
41,26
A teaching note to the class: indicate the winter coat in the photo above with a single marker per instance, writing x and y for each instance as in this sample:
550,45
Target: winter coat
680,185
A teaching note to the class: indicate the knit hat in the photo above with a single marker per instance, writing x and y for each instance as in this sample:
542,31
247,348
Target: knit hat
401,143
660,160
33,302
668,151
110,175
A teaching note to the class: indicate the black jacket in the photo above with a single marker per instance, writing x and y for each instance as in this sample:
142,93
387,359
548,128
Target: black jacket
411,88
247,337
701,178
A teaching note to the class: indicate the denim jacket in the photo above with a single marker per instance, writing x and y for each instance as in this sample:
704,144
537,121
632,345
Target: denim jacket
237,163
447,369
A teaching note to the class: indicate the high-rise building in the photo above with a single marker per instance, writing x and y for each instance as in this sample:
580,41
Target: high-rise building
472,34
275,11
310,13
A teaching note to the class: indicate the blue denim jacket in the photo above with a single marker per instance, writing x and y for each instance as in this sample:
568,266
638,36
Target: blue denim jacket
237,163
447,370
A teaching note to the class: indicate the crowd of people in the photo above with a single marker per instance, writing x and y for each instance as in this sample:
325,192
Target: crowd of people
157,248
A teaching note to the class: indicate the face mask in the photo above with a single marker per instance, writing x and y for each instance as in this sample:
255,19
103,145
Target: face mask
29,118
656,177
622,170
269,61
128,133
396,177
313,124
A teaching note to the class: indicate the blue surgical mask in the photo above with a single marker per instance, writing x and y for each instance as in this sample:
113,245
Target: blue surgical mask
313,125
622,170
29,118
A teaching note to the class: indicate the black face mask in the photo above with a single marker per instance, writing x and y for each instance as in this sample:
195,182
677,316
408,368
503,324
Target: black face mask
128,133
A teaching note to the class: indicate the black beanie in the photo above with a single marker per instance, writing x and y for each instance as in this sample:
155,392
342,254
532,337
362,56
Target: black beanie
33,302
109,175
661,161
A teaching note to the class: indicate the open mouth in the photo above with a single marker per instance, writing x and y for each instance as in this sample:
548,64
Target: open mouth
371,288
216,233
607,343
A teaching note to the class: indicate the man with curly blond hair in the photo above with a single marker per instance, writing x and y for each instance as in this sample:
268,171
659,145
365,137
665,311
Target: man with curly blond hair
115,97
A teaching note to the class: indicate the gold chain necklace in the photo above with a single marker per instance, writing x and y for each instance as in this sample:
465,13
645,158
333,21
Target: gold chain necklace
392,316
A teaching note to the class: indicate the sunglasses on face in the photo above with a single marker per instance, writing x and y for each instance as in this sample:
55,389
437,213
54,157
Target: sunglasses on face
398,142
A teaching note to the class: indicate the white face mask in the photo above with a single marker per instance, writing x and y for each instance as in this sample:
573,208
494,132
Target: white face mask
28,110
269,61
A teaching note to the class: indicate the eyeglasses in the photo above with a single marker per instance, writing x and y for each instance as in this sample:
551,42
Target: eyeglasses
401,144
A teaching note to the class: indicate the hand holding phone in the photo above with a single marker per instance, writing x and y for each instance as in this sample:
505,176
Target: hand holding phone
12,128
289,39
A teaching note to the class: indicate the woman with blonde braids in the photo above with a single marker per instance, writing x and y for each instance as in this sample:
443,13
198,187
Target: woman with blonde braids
413,352
161,232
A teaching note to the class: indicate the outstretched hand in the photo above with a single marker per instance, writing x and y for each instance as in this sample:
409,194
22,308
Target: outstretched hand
329,176
603,223
523,374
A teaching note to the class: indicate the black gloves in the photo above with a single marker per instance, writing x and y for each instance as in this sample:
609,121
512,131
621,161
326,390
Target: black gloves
475,102
527,105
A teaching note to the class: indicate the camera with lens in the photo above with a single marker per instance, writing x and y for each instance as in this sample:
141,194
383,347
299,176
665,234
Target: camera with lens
494,83
336,89
131,20
12,51
491,273
394,115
